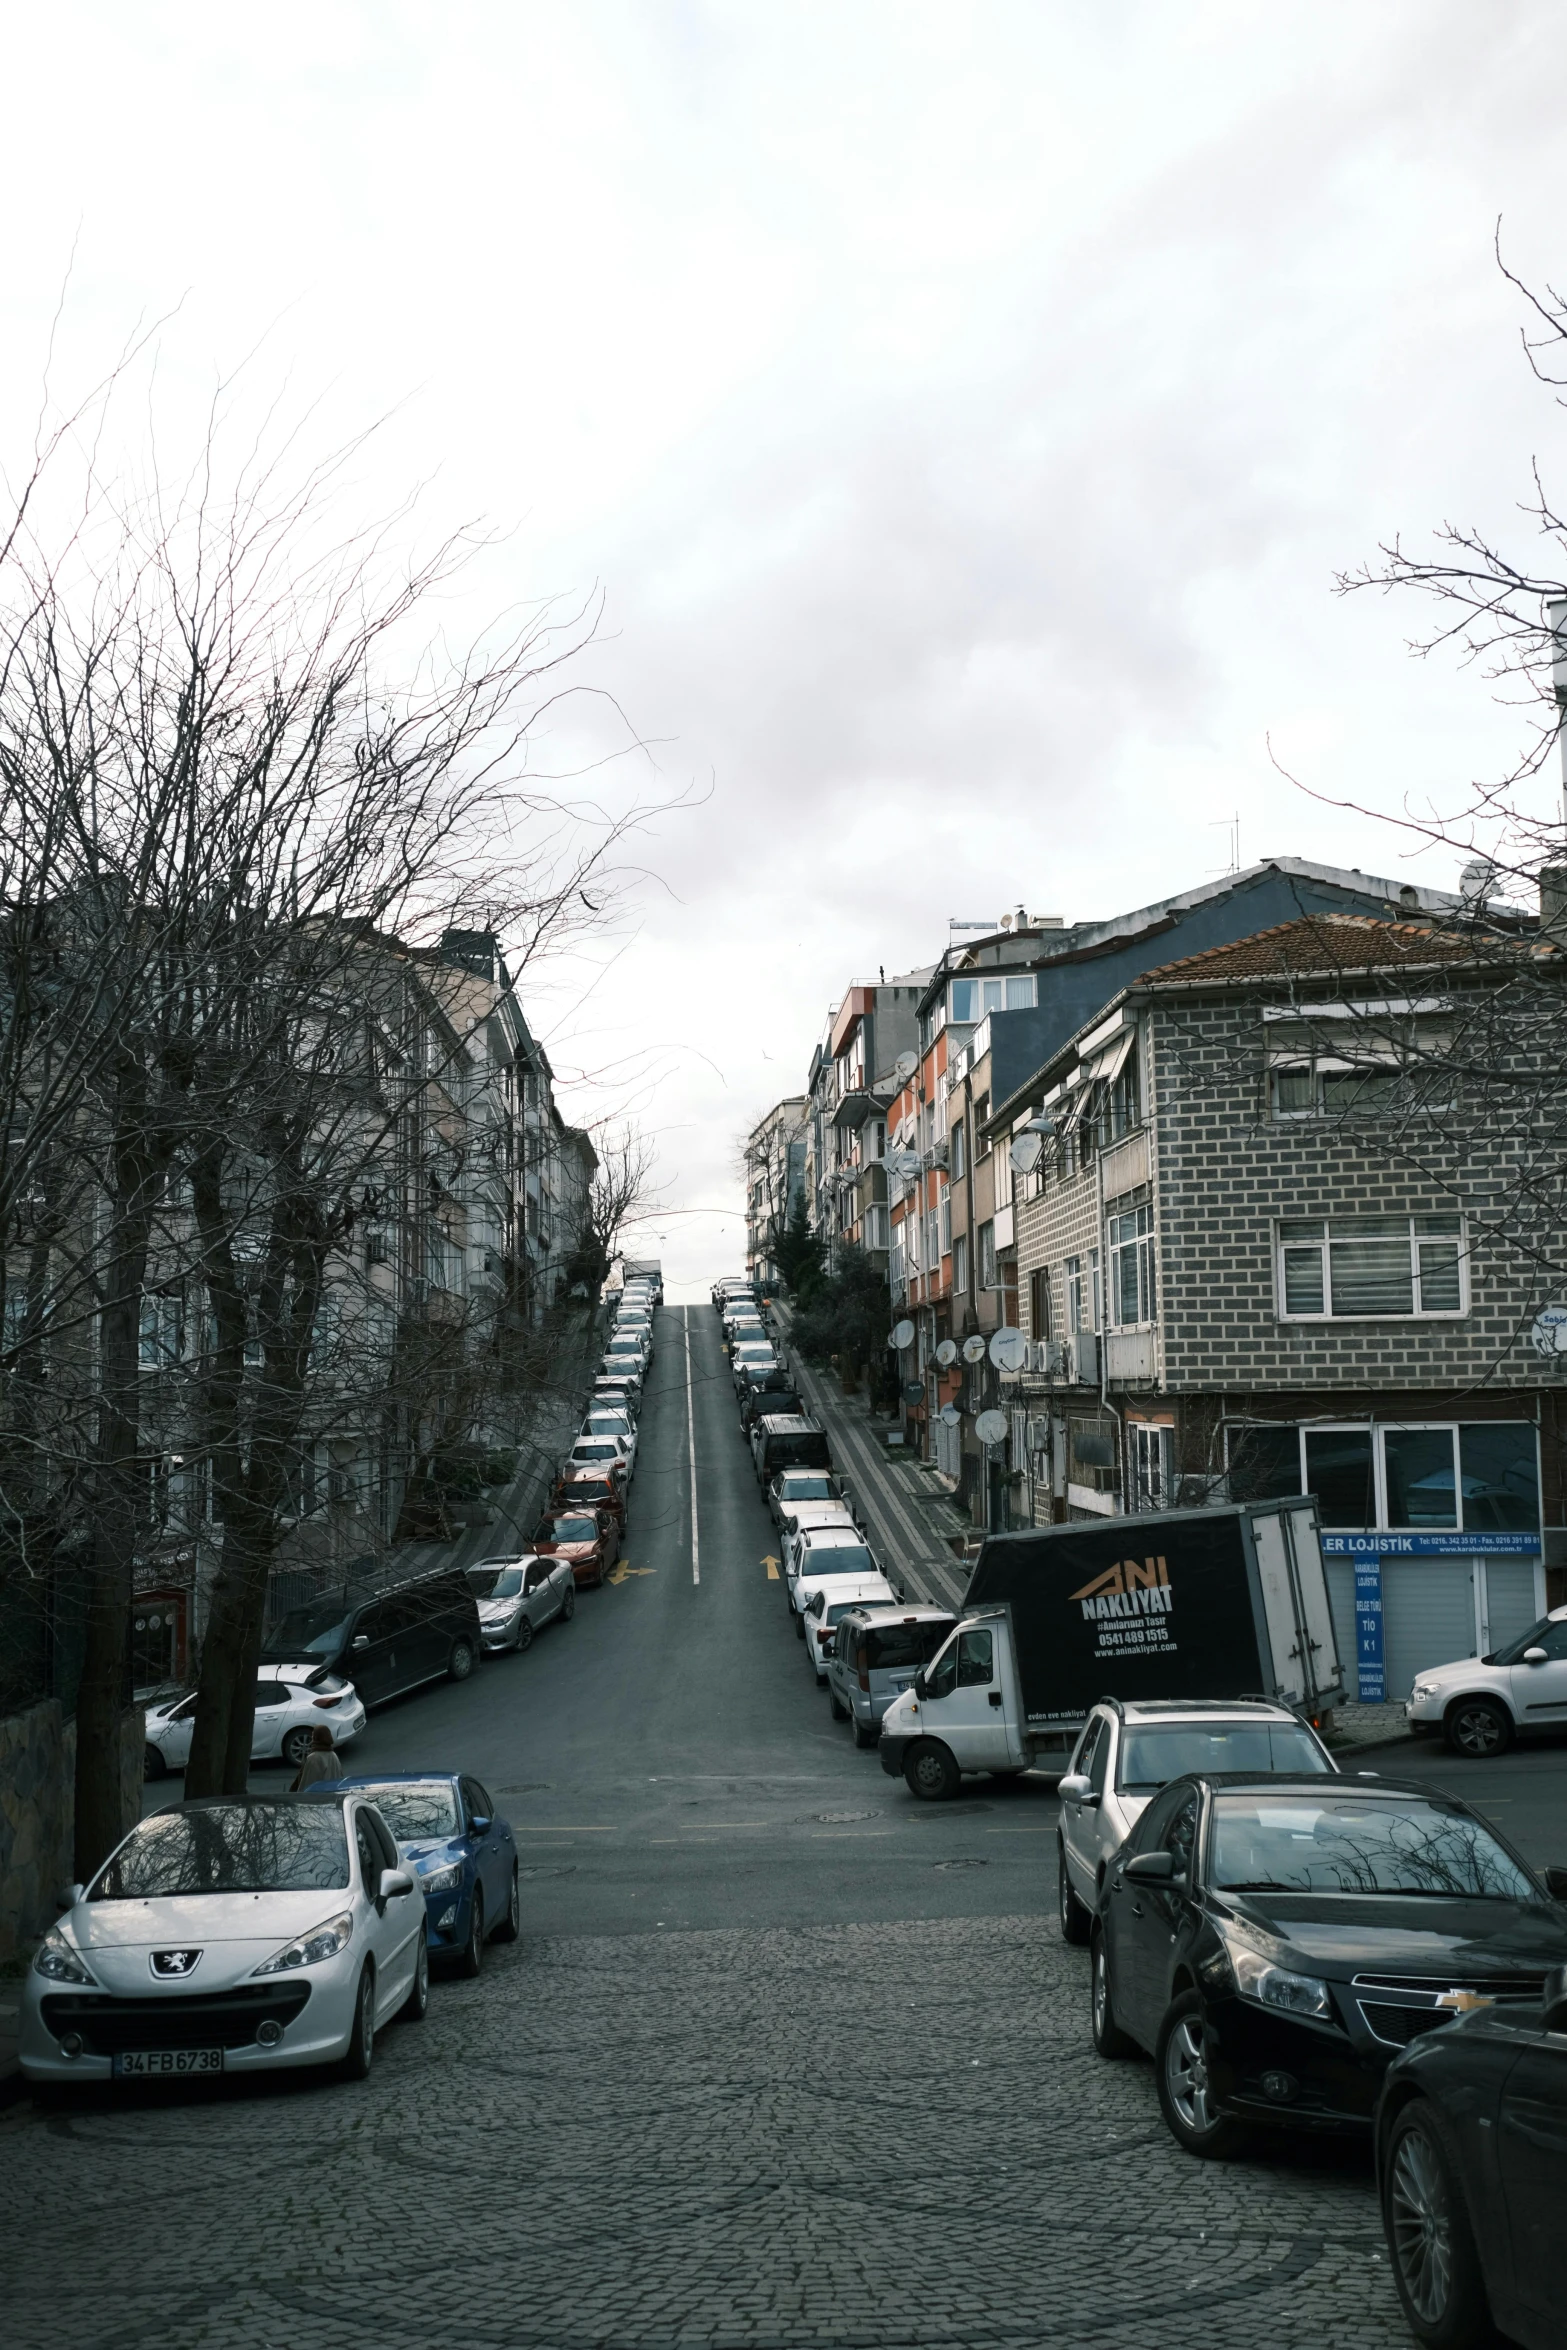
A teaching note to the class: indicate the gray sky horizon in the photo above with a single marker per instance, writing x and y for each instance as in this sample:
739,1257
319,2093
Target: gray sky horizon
963,416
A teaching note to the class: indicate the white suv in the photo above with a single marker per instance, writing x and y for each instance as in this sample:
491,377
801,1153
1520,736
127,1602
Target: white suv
1482,1701
1128,1752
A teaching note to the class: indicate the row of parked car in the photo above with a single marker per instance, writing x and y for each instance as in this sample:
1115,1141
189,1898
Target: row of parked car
275,1931
1296,1947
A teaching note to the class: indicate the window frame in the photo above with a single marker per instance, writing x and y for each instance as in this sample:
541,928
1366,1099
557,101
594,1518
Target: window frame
1285,1246
1140,1247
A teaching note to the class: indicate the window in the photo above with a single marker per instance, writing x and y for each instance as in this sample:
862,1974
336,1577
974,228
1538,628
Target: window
945,1242
1341,1473
1130,1238
975,1670
1082,1291
1123,1107
1348,1266
1421,1477
1151,1448
1039,1304
1500,1476
958,1160
970,999
1322,1086
1496,1488
981,1113
960,1262
987,1256
162,1330
873,1226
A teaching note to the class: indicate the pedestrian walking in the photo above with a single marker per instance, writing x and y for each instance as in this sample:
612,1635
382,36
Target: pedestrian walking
321,1762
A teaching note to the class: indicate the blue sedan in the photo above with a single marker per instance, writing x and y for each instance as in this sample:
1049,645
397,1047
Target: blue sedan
462,1854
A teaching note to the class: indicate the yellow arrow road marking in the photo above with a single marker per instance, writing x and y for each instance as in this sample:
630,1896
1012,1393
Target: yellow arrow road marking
623,1567
771,1564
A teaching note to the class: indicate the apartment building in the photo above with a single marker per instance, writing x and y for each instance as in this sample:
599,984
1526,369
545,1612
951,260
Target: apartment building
775,1181
1276,1232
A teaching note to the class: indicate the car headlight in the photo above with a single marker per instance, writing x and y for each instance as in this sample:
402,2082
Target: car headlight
1256,1977
442,1880
324,1941
1426,1689
59,1961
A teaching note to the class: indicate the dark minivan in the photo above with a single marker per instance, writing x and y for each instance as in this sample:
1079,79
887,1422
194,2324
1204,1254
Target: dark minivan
786,1442
385,1641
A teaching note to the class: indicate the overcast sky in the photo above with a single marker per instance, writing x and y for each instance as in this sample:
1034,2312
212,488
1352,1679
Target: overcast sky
962,410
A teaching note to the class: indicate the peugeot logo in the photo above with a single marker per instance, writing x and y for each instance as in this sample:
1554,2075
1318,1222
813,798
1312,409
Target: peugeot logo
174,1962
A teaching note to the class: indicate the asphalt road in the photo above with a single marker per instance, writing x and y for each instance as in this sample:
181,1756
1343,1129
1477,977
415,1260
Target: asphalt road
783,2059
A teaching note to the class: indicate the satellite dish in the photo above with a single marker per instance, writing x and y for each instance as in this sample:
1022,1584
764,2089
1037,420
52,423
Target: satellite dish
902,1335
905,1065
974,1349
1009,1350
914,1391
1025,1152
946,1353
951,1414
991,1427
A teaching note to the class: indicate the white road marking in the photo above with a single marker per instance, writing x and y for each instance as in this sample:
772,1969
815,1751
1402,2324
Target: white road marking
696,1551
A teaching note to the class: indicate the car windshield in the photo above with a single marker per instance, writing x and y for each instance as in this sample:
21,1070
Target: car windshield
594,1448
485,1582
314,1630
807,1489
430,1809
848,1558
229,1848
573,1530
507,1584
1295,1844
1152,1755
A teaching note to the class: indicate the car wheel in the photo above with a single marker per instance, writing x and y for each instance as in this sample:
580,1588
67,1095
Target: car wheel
867,1733
361,2038
1436,2269
840,1712
460,1663
524,1637
511,1924
1185,2094
568,1605
1076,1922
417,2004
153,1765
1109,2039
1478,1727
297,1745
471,1960
930,1772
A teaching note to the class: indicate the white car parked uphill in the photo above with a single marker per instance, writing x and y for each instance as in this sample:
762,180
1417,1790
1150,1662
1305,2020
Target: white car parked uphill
292,1701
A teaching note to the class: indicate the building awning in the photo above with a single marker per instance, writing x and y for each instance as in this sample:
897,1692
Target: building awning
1111,1059
856,1108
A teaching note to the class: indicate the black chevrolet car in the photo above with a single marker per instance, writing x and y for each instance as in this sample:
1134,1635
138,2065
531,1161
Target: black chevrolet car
1472,2164
1274,1943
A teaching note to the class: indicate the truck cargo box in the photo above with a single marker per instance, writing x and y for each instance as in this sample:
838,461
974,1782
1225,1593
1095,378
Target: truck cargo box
1225,1602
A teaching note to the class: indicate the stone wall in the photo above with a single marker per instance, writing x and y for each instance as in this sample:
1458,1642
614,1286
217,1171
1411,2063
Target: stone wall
37,1772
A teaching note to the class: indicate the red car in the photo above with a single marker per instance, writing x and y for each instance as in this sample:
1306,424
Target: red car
589,1538
589,1493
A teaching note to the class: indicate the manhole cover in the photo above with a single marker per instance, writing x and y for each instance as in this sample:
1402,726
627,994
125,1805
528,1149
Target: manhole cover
837,1819
961,1864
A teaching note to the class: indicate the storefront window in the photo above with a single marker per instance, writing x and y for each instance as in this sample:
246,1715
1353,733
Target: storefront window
1501,1478
1421,1488
1339,1472
1264,1463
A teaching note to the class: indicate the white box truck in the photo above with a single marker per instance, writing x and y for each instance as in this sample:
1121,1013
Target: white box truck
1225,1602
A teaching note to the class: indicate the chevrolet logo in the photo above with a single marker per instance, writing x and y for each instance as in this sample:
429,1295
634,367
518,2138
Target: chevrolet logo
1463,2002
169,1963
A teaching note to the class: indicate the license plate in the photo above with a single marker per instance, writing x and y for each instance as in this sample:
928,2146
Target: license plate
166,2063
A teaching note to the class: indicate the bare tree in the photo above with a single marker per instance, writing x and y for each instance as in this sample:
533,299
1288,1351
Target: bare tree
237,790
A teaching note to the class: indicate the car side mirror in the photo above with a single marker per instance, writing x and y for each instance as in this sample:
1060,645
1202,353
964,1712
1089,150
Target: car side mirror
361,1640
67,1896
1535,1656
393,1882
1556,1999
1076,1787
1152,1868
480,1826
1555,1876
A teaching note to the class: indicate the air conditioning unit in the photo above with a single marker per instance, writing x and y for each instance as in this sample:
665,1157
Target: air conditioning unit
1083,1358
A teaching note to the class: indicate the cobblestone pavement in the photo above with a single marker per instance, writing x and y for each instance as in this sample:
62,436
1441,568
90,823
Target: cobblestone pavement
836,2135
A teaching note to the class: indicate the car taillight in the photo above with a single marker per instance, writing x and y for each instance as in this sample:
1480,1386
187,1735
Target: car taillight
824,1636
326,1701
865,1681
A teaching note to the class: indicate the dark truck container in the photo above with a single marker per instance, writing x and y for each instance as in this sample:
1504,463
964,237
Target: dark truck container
1225,1602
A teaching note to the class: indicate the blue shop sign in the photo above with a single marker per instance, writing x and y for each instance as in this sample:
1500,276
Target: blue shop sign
1430,1546
1370,1672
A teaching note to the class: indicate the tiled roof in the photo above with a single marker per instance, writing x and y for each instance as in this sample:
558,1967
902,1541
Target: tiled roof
1329,945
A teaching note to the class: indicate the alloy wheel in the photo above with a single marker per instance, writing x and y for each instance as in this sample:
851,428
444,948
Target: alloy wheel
1422,2229
1186,2075
1477,1731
